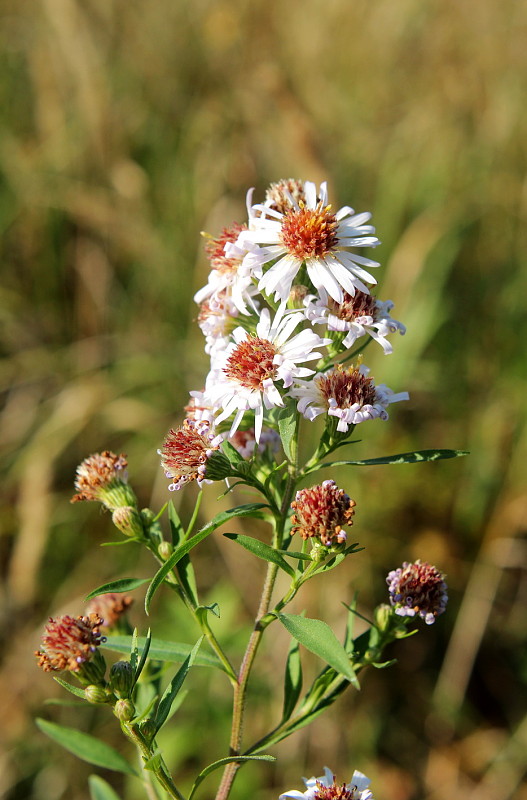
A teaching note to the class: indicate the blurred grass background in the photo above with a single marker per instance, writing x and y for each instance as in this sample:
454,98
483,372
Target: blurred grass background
128,127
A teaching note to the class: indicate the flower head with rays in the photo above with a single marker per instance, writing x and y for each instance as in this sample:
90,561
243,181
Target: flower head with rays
346,393
308,232
186,451
356,316
247,372
418,589
327,788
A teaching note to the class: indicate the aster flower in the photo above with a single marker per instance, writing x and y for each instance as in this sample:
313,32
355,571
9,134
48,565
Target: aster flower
103,477
109,608
245,377
357,315
309,233
69,642
283,195
327,788
229,276
417,589
186,451
346,393
321,511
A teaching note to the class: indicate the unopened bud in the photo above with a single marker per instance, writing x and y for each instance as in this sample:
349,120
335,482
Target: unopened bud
92,671
128,520
148,729
165,550
122,679
383,617
124,710
148,516
96,694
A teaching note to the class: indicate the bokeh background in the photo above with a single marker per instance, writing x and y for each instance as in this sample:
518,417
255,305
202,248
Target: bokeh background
127,128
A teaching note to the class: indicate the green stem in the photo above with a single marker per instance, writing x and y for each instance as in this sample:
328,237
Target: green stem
147,753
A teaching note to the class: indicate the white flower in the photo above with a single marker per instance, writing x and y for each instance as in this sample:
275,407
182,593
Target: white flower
244,376
309,233
346,393
357,315
326,788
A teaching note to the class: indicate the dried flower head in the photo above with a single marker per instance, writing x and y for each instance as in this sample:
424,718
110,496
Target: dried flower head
103,477
109,607
284,194
347,393
417,589
321,511
185,452
69,642
327,788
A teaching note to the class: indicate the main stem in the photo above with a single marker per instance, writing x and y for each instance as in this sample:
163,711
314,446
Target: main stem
240,690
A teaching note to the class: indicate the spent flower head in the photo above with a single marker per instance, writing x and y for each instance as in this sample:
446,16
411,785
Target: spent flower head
109,607
186,451
417,589
327,788
308,232
103,477
70,642
321,512
347,393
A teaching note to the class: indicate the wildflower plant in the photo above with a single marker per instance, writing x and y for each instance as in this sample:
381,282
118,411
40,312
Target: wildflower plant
286,314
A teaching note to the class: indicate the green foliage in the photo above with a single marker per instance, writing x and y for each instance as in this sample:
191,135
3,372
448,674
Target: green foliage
86,747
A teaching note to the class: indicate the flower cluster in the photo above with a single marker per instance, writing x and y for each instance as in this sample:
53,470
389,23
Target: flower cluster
321,511
417,589
287,296
69,642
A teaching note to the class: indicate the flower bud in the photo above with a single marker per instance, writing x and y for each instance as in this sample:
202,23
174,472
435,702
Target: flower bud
93,671
165,550
122,679
148,729
96,694
383,616
148,516
124,710
128,520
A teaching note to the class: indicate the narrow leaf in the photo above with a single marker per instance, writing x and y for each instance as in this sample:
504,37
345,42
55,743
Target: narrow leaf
293,680
100,790
232,454
249,510
262,550
184,567
176,526
86,747
400,458
173,652
70,688
134,649
221,763
296,554
144,656
287,420
318,637
174,686
121,585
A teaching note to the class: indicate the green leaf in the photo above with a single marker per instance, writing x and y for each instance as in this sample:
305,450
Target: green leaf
184,567
160,650
400,458
86,747
174,686
100,790
296,554
70,688
144,656
122,585
293,680
232,454
221,763
318,637
134,649
287,422
249,510
264,551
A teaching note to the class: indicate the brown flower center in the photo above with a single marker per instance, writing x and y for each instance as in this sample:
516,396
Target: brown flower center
333,792
251,363
347,387
362,305
309,233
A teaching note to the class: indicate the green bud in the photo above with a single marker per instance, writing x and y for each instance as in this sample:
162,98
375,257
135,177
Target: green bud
124,710
148,729
148,516
319,552
122,679
117,494
218,467
383,615
165,550
92,671
128,520
96,694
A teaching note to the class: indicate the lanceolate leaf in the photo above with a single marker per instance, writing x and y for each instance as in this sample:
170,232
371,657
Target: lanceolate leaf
262,550
249,510
400,458
100,790
121,585
287,419
70,688
176,526
293,680
86,747
221,763
184,567
165,704
144,656
318,637
173,652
